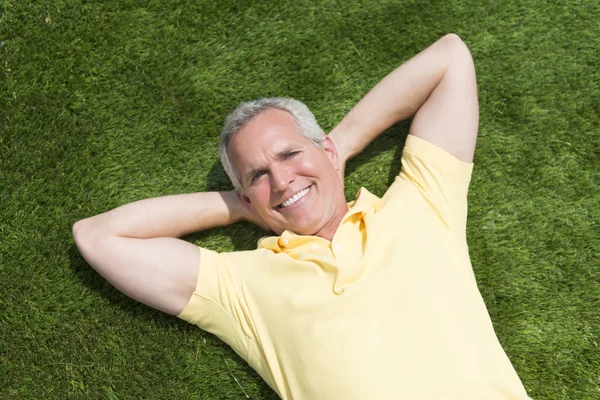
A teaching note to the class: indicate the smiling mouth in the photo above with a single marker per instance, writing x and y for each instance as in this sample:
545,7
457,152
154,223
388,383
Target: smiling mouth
294,198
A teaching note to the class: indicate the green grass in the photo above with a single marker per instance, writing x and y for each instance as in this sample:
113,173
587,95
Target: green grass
105,102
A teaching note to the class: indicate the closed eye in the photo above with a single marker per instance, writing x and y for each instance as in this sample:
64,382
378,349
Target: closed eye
257,175
282,156
292,154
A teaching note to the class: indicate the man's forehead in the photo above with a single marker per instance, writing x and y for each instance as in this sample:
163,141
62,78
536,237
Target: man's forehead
256,156
276,121
273,133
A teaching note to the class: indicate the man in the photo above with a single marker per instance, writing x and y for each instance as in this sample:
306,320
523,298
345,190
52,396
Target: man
374,299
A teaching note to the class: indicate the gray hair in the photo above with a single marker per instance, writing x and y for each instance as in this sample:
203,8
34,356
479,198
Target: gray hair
305,121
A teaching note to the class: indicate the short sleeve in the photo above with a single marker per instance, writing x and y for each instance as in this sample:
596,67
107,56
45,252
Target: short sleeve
440,179
216,305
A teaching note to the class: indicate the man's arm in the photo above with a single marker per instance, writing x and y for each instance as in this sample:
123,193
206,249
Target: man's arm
135,246
437,87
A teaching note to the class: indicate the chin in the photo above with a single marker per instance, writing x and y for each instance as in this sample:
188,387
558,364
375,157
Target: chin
303,230
303,226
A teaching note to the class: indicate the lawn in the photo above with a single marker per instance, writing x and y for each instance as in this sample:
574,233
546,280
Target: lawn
109,101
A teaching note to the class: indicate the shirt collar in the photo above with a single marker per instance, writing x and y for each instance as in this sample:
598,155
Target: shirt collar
365,202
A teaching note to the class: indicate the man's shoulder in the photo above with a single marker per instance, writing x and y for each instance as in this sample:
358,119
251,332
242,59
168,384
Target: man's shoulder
429,158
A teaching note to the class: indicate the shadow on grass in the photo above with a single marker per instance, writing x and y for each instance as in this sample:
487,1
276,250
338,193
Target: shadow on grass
395,137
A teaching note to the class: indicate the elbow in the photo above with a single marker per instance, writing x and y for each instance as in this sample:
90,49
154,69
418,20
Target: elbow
452,37
457,47
453,40
459,61
78,231
83,234
89,241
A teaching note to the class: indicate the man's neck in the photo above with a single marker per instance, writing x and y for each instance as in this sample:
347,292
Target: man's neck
329,230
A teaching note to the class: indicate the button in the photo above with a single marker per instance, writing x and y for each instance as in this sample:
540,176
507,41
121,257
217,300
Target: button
285,241
314,246
337,247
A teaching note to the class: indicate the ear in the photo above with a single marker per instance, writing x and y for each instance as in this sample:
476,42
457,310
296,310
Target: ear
251,214
245,200
331,151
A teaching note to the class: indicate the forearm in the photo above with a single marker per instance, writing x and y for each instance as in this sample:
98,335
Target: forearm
395,98
167,216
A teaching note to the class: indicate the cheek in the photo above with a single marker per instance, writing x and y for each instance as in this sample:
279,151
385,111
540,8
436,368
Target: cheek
317,166
259,196
310,165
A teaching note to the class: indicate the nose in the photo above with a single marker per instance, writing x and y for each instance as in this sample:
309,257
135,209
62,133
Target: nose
281,178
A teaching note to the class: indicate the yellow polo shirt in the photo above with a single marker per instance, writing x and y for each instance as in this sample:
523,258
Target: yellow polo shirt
389,309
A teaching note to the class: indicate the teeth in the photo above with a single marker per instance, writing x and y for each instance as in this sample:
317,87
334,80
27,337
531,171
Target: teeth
295,198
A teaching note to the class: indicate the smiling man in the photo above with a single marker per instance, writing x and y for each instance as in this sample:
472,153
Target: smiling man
373,299
290,181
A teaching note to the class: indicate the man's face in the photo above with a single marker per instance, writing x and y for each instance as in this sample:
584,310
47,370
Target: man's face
290,182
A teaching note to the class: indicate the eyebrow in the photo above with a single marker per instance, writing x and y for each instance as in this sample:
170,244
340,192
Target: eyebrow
280,155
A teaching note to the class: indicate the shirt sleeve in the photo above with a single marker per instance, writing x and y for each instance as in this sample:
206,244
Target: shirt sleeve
216,305
439,178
